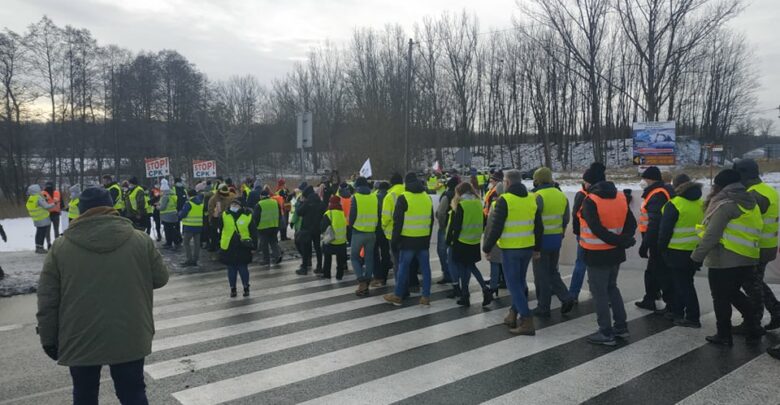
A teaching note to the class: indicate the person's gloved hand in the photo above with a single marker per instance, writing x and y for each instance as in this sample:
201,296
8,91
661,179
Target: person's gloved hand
51,351
643,251
697,265
627,241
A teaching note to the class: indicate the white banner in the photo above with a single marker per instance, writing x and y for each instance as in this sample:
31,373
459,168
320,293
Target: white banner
204,169
157,167
365,171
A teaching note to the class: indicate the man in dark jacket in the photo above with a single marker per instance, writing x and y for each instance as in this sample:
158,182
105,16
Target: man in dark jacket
518,247
607,229
658,280
677,239
382,259
254,195
310,214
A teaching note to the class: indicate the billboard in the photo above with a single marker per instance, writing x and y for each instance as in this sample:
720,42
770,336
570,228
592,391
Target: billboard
157,167
654,143
204,168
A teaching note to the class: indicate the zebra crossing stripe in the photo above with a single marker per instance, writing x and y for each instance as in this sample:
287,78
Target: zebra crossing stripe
578,384
263,380
451,369
177,292
259,347
267,323
758,379
220,299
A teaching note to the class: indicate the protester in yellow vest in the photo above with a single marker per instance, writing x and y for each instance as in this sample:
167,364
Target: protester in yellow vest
412,224
237,241
266,217
135,203
334,232
363,219
729,247
767,198
677,238
38,209
169,216
516,227
191,217
554,206
73,203
115,192
387,210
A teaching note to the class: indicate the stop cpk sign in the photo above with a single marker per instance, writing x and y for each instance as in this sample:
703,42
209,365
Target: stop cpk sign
204,168
157,167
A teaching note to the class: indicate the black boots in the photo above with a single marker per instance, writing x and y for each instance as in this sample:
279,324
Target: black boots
720,340
487,296
246,291
233,293
455,293
464,301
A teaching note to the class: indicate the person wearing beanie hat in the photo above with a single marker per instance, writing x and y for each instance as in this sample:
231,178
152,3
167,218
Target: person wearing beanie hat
99,275
411,237
555,215
169,216
135,203
768,201
38,209
659,294
334,223
73,203
730,248
309,217
237,241
593,175
449,275
387,208
363,220
676,240
191,217
266,216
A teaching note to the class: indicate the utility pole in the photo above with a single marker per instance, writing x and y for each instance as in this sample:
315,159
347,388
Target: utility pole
407,105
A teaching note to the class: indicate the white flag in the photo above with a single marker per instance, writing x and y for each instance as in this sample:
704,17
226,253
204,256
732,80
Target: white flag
365,171
436,167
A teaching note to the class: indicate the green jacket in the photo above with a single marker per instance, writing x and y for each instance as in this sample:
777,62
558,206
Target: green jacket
95,291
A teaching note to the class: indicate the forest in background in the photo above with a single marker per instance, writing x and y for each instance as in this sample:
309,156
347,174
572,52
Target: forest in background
566,72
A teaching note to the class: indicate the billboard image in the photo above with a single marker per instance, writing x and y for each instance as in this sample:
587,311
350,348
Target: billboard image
654,143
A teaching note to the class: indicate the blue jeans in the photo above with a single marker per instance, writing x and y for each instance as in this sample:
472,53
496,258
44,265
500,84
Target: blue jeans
515,268
241,269
495,270
465,270
128,383
405,258
365,240
444,256
578,276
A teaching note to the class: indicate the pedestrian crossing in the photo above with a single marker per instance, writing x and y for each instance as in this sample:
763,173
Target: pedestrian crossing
305,340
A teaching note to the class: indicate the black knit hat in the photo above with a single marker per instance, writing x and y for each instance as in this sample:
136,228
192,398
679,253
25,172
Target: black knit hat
396,179
726,177
453,182
680,179
497,175
410,178
747,168
361,182
94,197
652,173
595,173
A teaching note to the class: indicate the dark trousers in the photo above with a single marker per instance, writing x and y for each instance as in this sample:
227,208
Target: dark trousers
658,279
269,246
383,261
768,297
686,302
128,383
340,251
55,223
215,230
40,235
547,280
148,224
157,223
753,286
725,285
607,298
306,240
172,234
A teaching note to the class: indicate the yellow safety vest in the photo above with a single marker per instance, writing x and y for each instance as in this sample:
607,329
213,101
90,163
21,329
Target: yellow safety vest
229,227
518,230
388,208
171,207
769,230
471,229
433,183
37,213
417,218
553,208
119,204
741,234
691,213
269,214
149,206
133,196
366,215
73,208
339,225
194,217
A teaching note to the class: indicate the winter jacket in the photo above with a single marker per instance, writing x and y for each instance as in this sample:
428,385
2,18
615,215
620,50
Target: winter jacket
672,257
353,204
768,254
551,243
197,199
498,216
380,195
406,242
140,201
310,211
114,192
610,257
575,209
443,211
36,190
236,252
720,209
461,252
181,196
653,206
218,204
254,197
95,291
168,217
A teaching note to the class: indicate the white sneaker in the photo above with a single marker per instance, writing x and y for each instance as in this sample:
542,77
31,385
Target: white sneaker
660,305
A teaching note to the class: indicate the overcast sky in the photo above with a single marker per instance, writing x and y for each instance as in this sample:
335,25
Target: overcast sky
265,37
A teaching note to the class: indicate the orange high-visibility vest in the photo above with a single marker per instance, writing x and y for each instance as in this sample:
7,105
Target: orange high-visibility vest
53,200
612,214
644,218
346,205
